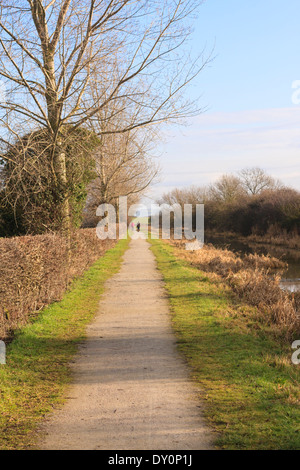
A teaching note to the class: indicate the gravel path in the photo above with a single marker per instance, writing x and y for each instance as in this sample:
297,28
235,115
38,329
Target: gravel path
131,389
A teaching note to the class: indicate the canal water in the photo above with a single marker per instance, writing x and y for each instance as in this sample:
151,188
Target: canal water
290,278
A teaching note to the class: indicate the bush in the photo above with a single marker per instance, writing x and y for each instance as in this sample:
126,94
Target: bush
227,209
32,197
257,214
34,272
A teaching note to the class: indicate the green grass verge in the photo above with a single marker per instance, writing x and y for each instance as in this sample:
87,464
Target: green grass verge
37,370
250,387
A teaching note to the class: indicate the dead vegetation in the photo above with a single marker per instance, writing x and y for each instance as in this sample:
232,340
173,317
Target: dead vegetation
34,272
283,238
253,278
278,239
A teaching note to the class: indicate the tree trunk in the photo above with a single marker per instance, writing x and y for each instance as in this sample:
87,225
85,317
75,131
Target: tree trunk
62,183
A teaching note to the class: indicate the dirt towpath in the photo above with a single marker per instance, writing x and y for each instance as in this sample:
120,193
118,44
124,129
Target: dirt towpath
131,389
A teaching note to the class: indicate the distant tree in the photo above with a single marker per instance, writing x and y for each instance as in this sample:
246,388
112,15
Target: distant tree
227,189
124,162
284,204
123,168
255,180
191,195
229,207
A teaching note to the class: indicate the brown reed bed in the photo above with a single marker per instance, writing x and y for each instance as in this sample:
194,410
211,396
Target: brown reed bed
253,278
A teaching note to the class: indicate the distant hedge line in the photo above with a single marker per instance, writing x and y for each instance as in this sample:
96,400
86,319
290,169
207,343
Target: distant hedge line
272,212
34,272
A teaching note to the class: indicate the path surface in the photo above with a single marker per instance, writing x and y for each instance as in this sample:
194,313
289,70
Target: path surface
131,389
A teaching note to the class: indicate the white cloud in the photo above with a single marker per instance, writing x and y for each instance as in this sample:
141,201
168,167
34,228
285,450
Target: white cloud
217,143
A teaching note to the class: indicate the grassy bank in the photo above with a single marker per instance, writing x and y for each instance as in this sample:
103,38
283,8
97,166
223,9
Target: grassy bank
250,387
37,370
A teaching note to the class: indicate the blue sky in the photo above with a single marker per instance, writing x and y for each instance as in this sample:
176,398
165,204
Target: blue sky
251,119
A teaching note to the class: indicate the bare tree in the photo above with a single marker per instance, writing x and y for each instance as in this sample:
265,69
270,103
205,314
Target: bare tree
191,195
50,49
226,189
255,180
123,167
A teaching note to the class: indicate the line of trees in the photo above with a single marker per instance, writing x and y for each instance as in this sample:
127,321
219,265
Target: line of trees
84,80
251,202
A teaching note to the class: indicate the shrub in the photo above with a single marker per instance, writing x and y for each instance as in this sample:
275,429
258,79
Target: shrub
31,196
34,272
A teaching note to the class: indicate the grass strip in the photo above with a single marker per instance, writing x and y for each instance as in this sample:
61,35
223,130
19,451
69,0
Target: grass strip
250,386
37,371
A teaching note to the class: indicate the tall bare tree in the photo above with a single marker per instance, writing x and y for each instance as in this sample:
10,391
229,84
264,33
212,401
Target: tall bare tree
50,49
123,160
